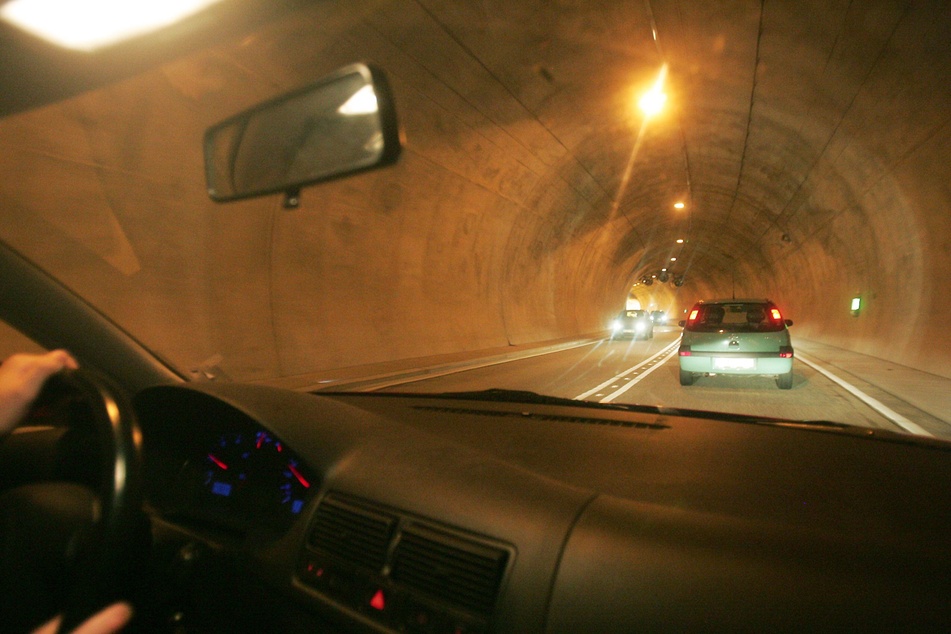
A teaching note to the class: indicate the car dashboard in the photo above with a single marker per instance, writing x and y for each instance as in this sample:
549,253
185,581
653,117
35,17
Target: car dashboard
415,513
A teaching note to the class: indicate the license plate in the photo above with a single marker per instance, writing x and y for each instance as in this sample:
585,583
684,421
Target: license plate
733,363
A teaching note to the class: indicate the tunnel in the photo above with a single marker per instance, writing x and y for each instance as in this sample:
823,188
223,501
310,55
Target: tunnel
808,144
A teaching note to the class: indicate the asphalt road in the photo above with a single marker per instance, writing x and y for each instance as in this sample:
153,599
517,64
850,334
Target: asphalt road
646,372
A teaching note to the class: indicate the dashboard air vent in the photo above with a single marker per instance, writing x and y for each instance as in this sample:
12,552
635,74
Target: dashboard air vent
462,572
353,533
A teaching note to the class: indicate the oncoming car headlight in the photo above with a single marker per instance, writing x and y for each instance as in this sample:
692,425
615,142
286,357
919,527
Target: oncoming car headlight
615,325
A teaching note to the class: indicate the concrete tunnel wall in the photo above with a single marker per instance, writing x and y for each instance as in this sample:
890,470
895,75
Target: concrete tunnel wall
499,226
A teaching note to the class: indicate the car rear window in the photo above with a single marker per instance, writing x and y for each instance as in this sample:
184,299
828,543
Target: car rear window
735,317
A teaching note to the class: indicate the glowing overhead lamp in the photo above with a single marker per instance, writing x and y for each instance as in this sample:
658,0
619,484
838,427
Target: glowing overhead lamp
86,25
673,259
679,205
652,102
680,240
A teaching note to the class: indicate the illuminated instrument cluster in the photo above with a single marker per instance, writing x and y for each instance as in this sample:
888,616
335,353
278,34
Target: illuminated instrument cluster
254,475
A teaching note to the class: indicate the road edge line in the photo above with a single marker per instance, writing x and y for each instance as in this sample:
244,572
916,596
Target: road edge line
372,386
872,402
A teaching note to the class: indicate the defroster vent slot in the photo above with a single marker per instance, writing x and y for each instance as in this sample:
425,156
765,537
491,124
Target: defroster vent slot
462,572
353,533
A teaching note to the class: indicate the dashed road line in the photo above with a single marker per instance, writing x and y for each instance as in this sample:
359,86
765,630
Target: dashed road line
613,395
650,364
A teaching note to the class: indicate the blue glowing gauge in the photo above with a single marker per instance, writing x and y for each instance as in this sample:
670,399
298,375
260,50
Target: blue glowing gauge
255,472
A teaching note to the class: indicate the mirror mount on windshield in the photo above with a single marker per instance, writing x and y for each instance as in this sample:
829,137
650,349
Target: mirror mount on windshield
292,199
343,124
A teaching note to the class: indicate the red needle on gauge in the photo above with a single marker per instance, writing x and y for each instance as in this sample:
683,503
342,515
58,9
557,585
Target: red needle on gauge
299,477
218,462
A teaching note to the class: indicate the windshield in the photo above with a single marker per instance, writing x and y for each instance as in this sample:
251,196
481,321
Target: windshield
565,166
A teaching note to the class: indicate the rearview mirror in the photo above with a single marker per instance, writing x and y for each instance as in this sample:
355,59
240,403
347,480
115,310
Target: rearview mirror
342,124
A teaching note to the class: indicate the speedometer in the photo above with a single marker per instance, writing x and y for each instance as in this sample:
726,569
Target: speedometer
255,473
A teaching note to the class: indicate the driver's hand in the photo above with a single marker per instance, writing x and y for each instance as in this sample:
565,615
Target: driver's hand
109,620
21,378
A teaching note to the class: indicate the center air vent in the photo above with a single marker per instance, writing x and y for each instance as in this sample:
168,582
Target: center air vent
353,533
459,571
403,572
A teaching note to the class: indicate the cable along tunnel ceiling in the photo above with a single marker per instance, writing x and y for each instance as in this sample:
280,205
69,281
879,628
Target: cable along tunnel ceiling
809,142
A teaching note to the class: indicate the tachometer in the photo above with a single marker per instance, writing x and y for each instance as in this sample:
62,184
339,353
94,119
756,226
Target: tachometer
254,473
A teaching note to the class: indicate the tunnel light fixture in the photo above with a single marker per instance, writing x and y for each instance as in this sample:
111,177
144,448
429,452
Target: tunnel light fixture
680,240
673,259
679,205
856,306
652,102
92,24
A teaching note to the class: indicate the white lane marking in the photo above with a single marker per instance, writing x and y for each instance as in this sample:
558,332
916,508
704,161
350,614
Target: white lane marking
424,375
613,395
875,404
617,377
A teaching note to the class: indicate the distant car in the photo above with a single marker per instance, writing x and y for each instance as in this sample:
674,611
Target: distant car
736,336
659,317
633,324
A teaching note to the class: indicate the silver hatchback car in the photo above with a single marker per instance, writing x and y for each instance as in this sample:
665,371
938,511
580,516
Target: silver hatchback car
736,336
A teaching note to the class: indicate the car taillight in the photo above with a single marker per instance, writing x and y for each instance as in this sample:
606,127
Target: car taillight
693,314
785,352
775,314
684,351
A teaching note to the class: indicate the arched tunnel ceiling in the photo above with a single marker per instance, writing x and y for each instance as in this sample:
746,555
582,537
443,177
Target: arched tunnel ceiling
809,142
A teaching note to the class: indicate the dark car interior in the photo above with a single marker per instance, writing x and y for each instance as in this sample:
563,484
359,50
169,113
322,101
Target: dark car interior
267,509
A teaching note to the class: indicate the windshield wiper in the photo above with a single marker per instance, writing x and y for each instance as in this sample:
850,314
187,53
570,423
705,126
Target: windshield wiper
499,395
526,396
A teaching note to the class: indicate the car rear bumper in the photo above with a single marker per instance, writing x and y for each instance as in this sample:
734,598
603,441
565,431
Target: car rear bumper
769,363
633,333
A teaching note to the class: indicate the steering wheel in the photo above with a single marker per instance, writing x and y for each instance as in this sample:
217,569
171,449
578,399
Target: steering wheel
103,550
